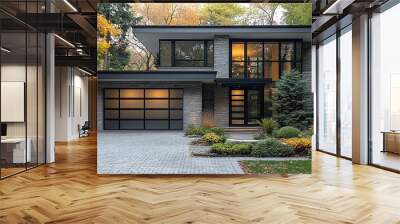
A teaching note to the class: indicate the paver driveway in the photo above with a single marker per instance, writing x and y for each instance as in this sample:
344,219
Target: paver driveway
156,152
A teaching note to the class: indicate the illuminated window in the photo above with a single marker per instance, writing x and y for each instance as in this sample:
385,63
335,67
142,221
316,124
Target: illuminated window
264,60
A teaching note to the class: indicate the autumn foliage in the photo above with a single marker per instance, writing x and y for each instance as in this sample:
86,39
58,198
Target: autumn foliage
105,32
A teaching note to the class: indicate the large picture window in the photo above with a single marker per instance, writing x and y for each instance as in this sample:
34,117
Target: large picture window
186,53
264,59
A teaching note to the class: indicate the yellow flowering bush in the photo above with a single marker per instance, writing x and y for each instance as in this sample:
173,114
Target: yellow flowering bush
300,145
213,138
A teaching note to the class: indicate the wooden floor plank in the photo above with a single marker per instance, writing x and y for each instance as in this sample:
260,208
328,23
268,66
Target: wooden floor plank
70,191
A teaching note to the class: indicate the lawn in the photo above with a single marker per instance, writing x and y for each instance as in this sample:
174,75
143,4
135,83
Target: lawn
277,167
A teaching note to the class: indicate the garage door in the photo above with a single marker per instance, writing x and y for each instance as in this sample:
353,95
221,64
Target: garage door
133,109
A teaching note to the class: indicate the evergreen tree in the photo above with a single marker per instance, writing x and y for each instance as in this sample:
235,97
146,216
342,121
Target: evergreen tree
290,102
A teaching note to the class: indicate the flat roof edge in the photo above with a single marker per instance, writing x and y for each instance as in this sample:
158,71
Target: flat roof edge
165,76
156,72
221,27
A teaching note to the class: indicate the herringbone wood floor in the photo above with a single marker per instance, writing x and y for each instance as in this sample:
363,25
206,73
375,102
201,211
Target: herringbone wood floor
70,191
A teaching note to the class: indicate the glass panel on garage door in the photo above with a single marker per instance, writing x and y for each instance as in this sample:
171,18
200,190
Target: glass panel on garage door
132,109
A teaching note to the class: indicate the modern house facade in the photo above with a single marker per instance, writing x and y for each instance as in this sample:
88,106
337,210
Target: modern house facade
206,75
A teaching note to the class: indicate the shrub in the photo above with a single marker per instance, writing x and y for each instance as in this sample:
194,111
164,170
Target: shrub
242,148
231,148
193,130
299,143
292,101
200,131
271,148
309,132
287,132
268,125
302,146
213,138
260,136
221,148
217,130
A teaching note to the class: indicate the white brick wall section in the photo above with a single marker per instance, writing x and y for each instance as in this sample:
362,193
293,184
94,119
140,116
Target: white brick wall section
192,105
221,57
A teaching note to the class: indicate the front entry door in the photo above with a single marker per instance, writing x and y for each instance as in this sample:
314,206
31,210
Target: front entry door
245,106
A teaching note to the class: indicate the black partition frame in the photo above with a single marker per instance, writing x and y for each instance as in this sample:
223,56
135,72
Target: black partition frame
294,63
144,119
37,33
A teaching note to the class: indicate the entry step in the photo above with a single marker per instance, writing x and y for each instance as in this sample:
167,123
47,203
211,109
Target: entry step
243,129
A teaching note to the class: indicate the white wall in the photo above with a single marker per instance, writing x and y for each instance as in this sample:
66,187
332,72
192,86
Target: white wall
71,103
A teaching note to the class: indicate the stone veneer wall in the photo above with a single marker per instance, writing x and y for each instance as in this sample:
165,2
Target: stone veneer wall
208,104
221,106
192,98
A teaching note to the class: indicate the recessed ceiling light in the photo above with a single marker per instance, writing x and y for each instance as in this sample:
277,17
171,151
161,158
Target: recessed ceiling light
70,5
64,40
5,50
84,71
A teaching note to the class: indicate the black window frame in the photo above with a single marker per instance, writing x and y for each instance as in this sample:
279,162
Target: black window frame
173,53
294,63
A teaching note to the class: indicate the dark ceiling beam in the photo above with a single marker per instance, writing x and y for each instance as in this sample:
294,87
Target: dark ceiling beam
79,61
93,6
90,31
49,22
203,1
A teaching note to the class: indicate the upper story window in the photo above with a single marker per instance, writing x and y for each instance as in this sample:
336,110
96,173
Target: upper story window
264,59
186,53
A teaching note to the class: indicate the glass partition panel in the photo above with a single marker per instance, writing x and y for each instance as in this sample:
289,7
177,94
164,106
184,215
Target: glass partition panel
327,95
15,152
41,98
346,93
32,99
385,89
